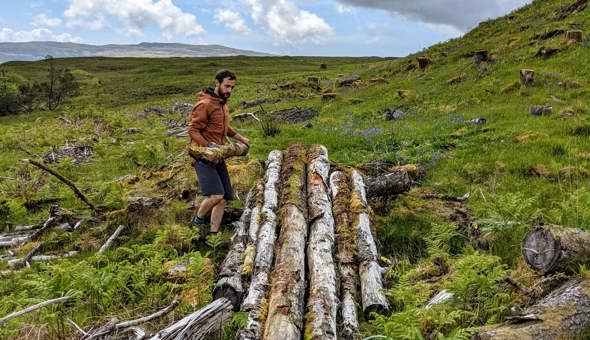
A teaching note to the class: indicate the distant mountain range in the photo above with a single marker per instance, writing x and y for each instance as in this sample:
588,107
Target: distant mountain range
37,50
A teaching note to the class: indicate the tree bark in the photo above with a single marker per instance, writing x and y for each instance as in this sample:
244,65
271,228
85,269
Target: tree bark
199,324
252,233
563,314
345,255
322,303
229,282
373,298
549,248
393,183
287,295
255,302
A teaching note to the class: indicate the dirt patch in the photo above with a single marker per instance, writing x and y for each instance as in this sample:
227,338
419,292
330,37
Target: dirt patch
574,8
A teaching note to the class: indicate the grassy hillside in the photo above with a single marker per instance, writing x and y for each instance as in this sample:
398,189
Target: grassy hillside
518,168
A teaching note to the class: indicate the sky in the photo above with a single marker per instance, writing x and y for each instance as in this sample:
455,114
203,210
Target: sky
283,27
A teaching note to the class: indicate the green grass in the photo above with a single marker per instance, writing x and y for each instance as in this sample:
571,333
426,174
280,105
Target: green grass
518,168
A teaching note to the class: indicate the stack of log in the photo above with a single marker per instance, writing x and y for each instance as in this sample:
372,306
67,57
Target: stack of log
303,257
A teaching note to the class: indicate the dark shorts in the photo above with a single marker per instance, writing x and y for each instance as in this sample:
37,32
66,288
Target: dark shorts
214,179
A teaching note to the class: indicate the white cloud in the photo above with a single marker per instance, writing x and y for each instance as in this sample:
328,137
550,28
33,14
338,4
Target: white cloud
134,15
232,20
462,14
44,20
37,34
287,23
344,9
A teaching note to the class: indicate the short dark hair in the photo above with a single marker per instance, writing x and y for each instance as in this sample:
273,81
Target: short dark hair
225,74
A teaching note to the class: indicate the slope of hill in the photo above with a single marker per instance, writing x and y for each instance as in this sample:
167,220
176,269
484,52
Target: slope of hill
463,117
37,50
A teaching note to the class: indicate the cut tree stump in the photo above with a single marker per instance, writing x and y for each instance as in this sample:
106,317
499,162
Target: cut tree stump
527,77
563,314
345,255
575,36
423,62
287,295
480,56
548,248
373,298
322,302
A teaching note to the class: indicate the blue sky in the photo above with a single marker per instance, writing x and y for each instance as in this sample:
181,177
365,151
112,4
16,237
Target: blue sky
284,27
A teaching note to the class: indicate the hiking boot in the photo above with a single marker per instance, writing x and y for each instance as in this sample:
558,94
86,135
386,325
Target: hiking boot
202,225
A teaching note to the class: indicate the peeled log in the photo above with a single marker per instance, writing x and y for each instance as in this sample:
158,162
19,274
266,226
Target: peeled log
322,303
548,248
373,298
217,155
393,183
255,302
345,255
229,282
563,314
287,295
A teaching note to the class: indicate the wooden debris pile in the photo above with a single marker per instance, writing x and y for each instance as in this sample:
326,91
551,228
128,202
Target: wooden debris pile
303,258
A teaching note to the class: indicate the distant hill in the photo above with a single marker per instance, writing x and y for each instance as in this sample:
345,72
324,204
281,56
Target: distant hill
36,50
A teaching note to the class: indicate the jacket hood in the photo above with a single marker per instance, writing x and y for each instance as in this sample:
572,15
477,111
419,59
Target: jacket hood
209,94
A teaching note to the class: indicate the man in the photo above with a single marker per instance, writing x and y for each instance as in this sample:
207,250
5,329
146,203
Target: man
209,127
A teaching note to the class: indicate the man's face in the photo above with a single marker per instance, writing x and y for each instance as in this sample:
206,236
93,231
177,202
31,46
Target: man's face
225,88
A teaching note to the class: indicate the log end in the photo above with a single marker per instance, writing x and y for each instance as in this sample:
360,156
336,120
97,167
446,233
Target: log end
541,250
228,292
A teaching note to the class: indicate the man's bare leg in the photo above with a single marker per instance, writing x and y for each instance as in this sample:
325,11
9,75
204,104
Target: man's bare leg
208,204
217,215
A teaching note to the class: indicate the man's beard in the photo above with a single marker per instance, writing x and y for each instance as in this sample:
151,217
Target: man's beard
223,96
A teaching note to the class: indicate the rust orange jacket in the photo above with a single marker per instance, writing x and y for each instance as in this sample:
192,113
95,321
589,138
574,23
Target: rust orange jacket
209,121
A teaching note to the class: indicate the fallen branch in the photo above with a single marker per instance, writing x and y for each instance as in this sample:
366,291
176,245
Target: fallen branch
199,324
33,308
111,239
158,314
28,257
12,263
64,180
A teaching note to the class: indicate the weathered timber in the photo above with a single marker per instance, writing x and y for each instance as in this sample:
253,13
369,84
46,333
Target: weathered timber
17,262
11,316
200,324
111,239
252,233
322,302
345,255
396,182
255,302
548,248
373,298
229,280
563,314
218,154
287,295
